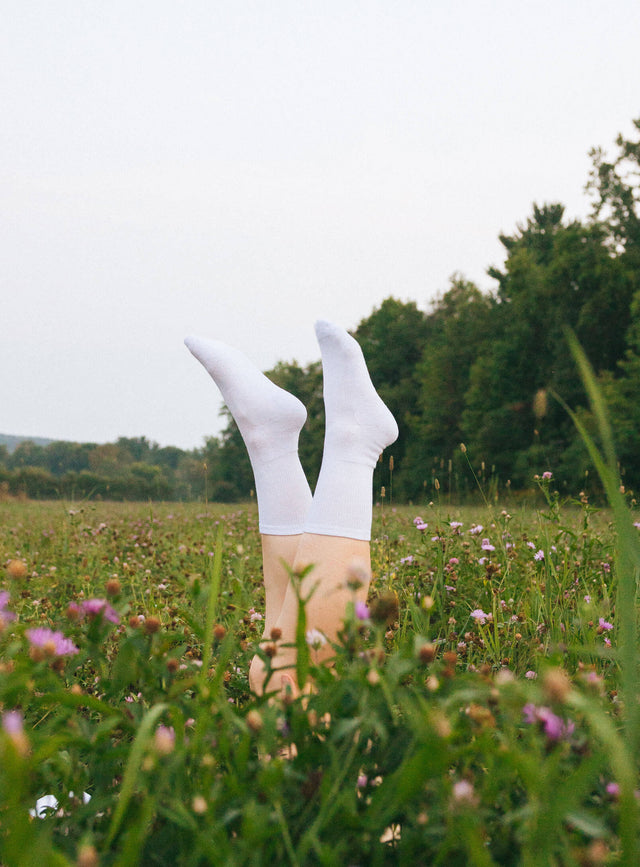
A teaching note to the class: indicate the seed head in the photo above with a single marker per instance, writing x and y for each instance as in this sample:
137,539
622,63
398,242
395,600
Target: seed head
113,587
427,652
556,684
87,856
151,624
17,569
254,721
199,805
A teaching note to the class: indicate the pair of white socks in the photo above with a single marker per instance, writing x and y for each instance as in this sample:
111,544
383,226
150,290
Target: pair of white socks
358,427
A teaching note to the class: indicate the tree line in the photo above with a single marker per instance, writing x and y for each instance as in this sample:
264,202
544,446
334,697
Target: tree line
473,380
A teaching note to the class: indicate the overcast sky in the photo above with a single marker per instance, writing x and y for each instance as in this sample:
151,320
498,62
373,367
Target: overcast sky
239,169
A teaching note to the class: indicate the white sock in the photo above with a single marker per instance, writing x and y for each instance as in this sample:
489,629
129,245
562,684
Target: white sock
358,427
270,420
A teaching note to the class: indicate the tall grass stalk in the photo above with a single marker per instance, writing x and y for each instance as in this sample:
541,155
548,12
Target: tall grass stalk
212,603
627,570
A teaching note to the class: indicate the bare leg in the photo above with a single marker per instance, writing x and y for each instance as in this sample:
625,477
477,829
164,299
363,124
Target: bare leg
338,526
269,420
335,560
278,556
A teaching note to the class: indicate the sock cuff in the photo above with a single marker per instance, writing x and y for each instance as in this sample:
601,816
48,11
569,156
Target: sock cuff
280,529
342,531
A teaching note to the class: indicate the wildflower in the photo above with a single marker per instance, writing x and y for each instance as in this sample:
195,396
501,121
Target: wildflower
6,616
362,781
45,642
587,599
94,608
254,615
164,740
362,611
463,794
358,574
604,625
546,476
13,726
455,526
420,524
530,675
487,546
539,555
476,529
479,615
613,789
315,639
553,726
409,559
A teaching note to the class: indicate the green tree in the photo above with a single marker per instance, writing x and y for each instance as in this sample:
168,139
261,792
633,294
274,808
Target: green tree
556,275
460,325
393,338
615,187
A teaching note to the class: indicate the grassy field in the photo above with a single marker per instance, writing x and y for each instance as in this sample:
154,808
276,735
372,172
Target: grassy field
472,716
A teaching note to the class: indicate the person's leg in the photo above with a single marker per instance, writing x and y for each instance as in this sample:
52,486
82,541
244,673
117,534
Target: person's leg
338,527
269,420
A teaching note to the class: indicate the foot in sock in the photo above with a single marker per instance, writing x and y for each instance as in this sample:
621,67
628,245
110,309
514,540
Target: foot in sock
270,420
358,423
358,427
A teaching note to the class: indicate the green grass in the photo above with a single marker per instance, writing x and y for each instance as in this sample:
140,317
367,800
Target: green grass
437,737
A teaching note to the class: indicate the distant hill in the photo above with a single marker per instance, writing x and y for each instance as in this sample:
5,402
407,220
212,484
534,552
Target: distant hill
12,442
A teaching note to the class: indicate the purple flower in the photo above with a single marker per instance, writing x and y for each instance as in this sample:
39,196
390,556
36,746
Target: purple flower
408,559
46,642
362,611
613,789
479,615
477,528
99,607
554,727
539,555
487,546
5,615
602,623
546,475
12,722
531,675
